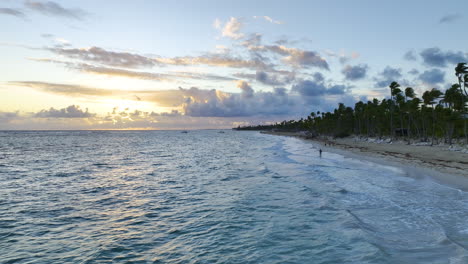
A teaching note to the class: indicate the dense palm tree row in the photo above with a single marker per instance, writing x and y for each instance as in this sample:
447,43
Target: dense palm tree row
436,115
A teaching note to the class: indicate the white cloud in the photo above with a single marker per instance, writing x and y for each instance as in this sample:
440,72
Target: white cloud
269,19
232,29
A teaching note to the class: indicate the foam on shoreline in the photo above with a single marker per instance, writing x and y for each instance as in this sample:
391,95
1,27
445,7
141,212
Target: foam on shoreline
422,162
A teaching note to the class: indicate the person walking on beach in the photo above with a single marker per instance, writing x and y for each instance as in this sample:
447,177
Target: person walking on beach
320,152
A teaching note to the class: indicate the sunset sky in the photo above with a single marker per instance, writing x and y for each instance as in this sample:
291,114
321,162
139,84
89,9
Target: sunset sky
215,64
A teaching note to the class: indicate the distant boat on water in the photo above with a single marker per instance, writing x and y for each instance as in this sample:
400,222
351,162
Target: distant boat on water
184,131
222,132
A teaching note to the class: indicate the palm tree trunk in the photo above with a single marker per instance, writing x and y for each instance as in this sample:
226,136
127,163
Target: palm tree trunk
466,133
401,123
433,125
408,133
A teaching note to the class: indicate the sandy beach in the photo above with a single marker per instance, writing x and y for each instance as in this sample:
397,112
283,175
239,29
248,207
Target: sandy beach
437,162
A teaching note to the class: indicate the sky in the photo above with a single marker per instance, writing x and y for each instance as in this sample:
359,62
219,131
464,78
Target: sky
215,64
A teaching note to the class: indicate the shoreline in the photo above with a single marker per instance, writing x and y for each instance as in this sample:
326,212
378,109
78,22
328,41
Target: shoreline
434,162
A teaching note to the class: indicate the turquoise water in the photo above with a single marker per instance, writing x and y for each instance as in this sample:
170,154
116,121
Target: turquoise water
209,197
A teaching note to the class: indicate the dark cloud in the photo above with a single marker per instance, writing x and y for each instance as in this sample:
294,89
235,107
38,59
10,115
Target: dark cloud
387,76
73,111
354,73
295,57
318,77
280,91
336,89
343,59
12,12
433,76
413,72
264,78
450,18
215,103
410,55
6,117
437,58
391,73
314,88
269,78
50,8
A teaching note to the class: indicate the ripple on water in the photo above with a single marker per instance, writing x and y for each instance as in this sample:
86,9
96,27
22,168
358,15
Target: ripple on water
202,197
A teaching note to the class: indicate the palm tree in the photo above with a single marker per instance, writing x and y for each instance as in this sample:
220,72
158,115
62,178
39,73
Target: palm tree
426,101
461,71
452,98
429,97
394,90
359,112
413,107
409,93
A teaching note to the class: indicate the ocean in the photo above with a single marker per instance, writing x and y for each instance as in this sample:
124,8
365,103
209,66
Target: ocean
211,197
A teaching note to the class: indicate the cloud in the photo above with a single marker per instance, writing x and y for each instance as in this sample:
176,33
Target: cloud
354,73
450,18
410,56
302,58
295,57
271,79
435,57
413,72
214,103
169,77
232,29
72,111
247,91
128,119
275,78
342,56
317,88
387,76
269,19
336,89
47,35
6,117
12,12
220,60
50,8
433,76
63,89
253,40
199,109
105,57
318,77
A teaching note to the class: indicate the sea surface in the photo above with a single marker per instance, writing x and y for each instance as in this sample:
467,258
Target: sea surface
210,197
